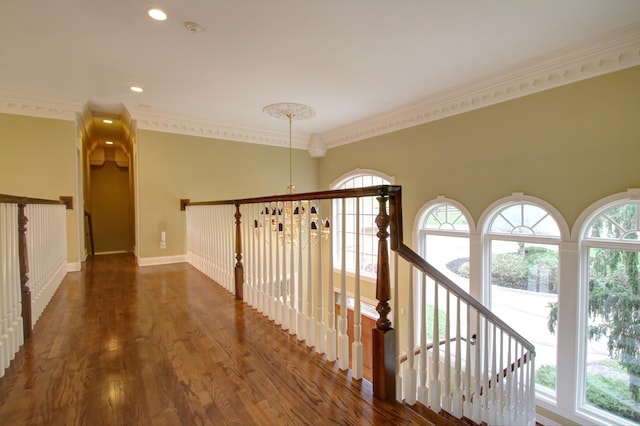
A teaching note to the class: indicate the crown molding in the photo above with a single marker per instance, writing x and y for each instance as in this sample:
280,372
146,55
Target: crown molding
607,53
146,119
20,103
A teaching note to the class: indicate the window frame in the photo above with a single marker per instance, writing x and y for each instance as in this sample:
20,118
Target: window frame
487,237
585,244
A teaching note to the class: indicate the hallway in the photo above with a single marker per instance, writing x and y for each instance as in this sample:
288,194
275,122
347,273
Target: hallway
164,345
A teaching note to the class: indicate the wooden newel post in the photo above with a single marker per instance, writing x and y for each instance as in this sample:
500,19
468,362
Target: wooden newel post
24,269
383,339
239,270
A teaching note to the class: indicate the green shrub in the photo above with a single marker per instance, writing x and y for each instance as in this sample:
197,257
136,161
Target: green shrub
510,269
606,393
546,376
612,395
515,269
463,270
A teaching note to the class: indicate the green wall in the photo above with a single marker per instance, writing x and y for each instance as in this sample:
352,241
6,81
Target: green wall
569,146
171,167
110,208
38,160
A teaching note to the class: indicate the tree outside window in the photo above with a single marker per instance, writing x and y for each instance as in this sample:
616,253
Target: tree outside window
611,248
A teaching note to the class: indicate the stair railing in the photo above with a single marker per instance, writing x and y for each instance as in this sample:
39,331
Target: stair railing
33,262
469,362
272,253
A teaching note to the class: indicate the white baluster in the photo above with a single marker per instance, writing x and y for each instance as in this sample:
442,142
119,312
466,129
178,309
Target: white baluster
477,398
446,393
255,253
278,279
343,338
310,323
332,335
272,301
501,409
493,419
532,388
357,348
467,408
423,390
319,298
456,408
410,375
396,320
291,321
435,388
264,286
301,321
485,372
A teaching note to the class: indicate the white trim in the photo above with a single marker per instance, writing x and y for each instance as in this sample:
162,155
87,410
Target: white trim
441,199
162,260
20,103
340,180
577,233
168,122
74,266
519,197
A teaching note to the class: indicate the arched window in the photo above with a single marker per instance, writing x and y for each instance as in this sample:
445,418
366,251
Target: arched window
368,229
521,241
443,230
609,367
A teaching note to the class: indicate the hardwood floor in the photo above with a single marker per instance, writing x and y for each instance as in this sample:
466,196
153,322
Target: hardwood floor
164,345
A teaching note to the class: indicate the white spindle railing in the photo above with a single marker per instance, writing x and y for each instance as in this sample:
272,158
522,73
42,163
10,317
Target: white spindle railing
210,242
47,253
462,359
11,326
288,269
45,265
478,367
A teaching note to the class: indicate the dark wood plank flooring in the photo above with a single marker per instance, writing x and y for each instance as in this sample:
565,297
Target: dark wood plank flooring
164,345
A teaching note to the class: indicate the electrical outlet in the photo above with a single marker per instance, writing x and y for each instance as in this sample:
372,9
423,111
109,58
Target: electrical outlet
163,245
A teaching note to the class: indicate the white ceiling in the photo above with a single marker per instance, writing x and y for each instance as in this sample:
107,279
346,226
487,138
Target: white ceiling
366,66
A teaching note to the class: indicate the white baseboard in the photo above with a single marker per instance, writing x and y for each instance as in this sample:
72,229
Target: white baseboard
164,260
74,266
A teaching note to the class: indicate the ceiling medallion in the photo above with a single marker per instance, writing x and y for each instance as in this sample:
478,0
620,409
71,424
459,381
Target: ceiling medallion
290,110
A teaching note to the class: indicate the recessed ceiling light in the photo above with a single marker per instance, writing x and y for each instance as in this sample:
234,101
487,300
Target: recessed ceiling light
107,121
108,142
136,89
157,14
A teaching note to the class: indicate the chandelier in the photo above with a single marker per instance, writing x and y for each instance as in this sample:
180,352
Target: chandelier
288,219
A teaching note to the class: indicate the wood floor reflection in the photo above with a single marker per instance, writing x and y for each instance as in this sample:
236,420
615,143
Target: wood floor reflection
164,345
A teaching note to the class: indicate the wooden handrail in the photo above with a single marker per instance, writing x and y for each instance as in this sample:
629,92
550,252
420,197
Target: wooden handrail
370,191
9,199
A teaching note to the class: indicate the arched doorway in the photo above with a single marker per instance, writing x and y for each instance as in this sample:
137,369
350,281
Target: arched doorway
108,180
